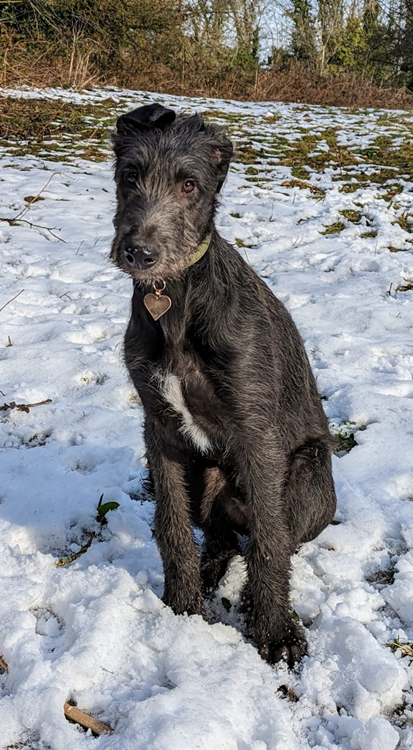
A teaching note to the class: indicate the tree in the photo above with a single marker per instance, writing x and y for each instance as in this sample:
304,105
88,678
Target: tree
303,37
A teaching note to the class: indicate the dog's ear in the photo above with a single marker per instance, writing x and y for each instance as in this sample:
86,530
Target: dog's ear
148,117
223,151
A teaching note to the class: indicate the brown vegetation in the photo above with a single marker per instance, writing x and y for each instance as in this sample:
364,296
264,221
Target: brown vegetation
295,84
181,48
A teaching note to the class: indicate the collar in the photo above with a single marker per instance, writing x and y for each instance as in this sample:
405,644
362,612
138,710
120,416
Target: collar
200,252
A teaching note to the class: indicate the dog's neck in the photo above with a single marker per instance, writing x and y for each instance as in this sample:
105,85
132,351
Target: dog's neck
201,250
157,303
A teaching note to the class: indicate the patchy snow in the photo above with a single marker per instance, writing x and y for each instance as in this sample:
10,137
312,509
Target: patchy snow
95,631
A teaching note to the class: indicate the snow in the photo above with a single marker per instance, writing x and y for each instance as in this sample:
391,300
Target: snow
95,631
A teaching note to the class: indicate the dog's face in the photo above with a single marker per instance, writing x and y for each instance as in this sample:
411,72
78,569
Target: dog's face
168,173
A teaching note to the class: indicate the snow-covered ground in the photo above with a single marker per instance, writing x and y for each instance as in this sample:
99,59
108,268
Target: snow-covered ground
95,631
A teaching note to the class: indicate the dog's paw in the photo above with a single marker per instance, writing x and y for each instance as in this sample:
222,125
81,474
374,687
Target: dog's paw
291,647
181,604
212,570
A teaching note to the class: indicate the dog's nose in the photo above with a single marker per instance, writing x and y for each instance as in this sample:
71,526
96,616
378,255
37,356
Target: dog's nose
142,257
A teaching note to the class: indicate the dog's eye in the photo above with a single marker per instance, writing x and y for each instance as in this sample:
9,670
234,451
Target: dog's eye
130,177
188,186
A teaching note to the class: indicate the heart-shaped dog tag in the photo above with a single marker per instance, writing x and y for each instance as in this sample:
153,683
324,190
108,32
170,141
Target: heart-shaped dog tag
157,304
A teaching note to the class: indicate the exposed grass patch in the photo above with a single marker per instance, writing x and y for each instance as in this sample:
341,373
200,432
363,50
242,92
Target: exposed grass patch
405,287
404,647
346,442
371,233
351,215
55,128
303,185
384,152
392,191
259,180
405,221
240,243
306,156
377,177
335,228
383,577
344,437
300,173
246,153
349,188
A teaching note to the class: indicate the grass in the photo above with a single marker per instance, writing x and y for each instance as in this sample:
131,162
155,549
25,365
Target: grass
61,130
392,191
335,228
405,648
351,215
54,128
303,185
405,221
344,436
382,577
246,153
407,287
240,243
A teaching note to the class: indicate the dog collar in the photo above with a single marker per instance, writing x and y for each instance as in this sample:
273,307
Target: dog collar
200,252
156,303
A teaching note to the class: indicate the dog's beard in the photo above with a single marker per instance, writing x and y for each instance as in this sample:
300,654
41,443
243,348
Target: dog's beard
176,257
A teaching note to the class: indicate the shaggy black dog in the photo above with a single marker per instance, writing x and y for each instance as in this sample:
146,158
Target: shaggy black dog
237,440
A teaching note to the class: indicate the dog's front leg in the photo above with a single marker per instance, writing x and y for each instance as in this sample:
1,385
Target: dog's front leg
173,531
271,621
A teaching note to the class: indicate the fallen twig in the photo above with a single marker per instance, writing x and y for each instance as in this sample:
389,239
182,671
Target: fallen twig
24,407
85,721
11,300
71,558
13,221
25,209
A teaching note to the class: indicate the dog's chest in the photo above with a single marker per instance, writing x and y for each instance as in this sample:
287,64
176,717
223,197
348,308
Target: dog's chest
176,391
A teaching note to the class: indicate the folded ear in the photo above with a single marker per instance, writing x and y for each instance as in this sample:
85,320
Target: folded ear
148,117
223,151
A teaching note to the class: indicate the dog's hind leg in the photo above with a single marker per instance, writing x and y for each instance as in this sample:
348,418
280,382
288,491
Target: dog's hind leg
220,545
220,539
309,494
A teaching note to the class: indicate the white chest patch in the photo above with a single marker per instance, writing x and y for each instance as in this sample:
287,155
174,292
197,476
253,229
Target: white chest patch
172,393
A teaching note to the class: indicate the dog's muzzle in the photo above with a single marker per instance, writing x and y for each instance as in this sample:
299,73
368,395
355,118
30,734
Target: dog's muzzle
142,257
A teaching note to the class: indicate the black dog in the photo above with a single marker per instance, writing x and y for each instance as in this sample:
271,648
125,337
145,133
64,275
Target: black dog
237,440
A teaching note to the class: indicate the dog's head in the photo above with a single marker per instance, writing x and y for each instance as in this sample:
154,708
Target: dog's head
168,172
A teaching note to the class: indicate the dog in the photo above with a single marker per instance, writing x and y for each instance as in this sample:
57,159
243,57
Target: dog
236,437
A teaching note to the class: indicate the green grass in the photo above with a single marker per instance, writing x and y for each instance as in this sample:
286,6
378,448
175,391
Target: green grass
351,215
335,228
405,221
383,577
405,648
55,129
344,436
